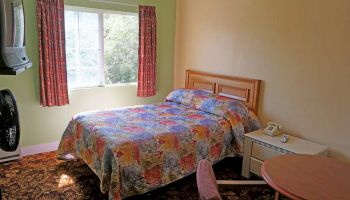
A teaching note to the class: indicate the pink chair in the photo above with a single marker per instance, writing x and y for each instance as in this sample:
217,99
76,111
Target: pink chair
206,182
208,185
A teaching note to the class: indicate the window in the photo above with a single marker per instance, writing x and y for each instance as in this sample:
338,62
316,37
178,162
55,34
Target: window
101,47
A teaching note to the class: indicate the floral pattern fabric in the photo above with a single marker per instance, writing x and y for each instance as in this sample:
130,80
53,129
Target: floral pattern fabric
146,84
52,53
134,150
230,109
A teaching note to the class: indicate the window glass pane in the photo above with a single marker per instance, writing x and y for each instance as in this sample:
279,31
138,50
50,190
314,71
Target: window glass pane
72,77
89,58
84,50
89,39
88,21
121,48
90,77
71,38
71,58
71,20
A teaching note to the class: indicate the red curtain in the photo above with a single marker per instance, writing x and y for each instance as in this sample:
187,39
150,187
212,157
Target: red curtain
52,66
147,51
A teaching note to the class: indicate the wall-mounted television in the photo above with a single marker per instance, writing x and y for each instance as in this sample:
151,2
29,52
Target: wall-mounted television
13,54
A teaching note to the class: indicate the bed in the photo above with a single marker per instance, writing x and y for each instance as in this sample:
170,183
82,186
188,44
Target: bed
137,149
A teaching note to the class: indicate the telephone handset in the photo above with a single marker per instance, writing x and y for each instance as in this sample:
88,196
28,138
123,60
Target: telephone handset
273,129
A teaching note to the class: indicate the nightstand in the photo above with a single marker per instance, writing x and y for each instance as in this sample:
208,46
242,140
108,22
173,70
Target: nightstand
259,147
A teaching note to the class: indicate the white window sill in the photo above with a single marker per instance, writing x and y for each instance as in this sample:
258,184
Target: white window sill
121,84
103,86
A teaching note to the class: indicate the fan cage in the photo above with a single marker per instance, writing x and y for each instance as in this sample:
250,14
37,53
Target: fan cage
9,122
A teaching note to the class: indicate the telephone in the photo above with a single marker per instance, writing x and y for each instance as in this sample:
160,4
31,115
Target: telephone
273,129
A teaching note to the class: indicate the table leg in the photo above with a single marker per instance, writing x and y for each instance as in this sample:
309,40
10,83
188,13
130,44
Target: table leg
277,195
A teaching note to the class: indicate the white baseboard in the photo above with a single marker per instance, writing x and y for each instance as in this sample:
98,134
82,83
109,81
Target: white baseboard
40,148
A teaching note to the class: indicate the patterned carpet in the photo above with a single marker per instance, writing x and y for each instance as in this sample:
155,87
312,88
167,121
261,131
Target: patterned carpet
42,176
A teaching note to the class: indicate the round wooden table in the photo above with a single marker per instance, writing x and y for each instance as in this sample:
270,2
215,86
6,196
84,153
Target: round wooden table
308,177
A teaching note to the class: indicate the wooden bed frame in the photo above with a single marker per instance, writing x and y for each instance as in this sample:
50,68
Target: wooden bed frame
245,90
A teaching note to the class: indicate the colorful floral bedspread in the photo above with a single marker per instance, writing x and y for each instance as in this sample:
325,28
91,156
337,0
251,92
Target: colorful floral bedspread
134,150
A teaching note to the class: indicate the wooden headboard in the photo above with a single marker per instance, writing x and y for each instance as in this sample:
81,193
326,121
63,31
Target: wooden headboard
245,90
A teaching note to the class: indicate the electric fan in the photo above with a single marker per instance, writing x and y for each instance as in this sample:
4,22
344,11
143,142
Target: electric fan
9,127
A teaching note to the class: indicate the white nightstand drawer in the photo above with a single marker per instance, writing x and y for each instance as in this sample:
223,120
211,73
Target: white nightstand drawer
255,166
263,153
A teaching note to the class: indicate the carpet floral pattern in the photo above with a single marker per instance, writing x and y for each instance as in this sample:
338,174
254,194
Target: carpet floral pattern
42,177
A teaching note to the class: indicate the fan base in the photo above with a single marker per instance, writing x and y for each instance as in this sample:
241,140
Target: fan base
13,155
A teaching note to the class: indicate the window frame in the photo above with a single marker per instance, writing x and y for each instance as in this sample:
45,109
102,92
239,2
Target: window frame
100,12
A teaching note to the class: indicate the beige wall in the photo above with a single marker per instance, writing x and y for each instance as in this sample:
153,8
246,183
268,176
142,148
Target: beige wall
299,48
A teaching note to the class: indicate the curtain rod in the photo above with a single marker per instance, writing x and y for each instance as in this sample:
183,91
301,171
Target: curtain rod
117,3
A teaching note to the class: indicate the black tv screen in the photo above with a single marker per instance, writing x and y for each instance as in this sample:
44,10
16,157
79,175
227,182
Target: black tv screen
18,25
